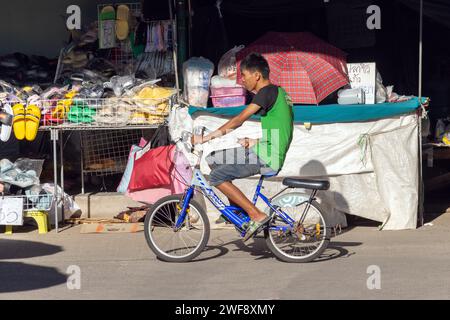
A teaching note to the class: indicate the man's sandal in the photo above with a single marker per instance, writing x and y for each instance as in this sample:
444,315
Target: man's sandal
254,227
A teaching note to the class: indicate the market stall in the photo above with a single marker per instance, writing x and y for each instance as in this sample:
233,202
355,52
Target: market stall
112,82
369,153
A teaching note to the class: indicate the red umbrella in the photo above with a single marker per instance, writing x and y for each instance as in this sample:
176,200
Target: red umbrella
307,67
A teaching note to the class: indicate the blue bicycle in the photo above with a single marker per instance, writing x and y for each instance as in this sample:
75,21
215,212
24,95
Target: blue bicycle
177,228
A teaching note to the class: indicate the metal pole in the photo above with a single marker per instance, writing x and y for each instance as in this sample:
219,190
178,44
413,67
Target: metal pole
421,184
181,36
61,154
175,48
54,138
82,166
420,50
190,28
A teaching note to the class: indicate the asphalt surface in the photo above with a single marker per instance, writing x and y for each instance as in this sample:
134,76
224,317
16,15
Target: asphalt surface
361,263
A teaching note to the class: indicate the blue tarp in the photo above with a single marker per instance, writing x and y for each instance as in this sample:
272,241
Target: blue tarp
331,113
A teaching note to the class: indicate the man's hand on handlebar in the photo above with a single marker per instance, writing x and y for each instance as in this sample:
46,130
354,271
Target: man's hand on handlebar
247,142
196,139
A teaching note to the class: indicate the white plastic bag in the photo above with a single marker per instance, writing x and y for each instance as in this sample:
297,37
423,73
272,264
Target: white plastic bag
228,65
221,82
197,77
381,92
71,208
351,96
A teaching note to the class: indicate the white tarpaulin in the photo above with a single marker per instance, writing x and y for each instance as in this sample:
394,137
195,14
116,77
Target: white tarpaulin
372,166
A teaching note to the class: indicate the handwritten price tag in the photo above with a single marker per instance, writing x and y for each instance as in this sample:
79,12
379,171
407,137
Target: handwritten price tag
11,211
363,75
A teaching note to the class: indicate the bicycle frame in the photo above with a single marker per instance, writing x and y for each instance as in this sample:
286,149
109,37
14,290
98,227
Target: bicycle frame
235,215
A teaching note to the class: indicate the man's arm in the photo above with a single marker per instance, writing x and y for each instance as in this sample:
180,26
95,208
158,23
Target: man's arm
234,123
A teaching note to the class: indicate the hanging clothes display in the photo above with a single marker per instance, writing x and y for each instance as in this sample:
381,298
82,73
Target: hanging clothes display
158,35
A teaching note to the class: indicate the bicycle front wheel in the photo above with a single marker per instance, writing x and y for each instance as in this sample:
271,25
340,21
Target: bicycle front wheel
303,242
169,243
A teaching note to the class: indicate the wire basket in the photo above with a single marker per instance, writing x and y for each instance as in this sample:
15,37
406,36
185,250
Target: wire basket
104,113
122,55
106,152
41,202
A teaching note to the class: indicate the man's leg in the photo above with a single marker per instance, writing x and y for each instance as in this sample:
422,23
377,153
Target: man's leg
228,165
237,197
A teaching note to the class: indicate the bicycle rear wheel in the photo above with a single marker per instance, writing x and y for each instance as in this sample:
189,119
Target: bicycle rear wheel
305,241
173,245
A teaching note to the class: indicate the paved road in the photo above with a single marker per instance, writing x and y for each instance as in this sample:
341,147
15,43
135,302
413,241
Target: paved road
413,265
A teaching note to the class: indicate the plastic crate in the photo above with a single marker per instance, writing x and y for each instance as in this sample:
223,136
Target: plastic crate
228,91
228,101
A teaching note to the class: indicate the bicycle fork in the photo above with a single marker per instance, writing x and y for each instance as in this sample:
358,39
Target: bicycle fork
183,208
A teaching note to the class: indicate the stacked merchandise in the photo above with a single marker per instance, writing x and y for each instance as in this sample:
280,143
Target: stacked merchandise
225,92
121,101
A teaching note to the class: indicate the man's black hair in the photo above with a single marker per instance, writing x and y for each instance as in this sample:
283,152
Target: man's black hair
256,62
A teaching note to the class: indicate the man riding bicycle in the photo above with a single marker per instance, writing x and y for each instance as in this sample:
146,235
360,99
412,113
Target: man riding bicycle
265,156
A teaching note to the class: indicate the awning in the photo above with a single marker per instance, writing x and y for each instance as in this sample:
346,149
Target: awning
332,113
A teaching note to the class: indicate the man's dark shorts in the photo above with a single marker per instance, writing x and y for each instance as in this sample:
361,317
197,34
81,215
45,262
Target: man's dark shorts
231,164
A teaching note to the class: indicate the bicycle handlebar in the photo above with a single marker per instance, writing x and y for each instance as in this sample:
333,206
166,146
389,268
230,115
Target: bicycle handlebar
196,150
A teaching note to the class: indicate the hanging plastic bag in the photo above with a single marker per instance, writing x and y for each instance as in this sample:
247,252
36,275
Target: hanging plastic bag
381,92
228,64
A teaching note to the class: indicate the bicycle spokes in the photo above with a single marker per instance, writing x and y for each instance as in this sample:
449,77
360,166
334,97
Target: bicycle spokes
304,237
171,233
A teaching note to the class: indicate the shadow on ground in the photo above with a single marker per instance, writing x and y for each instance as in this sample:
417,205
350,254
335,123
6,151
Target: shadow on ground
19,277
20,249
258,249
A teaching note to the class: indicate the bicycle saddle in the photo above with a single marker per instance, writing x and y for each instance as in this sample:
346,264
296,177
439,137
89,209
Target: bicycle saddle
306,184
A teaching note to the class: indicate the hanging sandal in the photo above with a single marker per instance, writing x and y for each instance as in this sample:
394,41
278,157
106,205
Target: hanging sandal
19,121
107,39
32,122
122,22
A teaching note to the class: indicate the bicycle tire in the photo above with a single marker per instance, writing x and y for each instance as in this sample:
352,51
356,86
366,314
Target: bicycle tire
287,258
154,247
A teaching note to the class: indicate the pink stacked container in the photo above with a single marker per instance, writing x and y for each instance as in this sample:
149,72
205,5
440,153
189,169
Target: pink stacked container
228,96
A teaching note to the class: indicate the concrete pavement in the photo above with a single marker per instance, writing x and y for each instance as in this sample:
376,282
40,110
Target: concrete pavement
412,264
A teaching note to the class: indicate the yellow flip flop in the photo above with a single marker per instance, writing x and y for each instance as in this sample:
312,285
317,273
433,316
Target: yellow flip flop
32,122
19,121
122,25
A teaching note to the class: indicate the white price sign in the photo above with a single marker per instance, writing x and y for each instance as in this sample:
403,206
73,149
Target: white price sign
11,211
363,75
